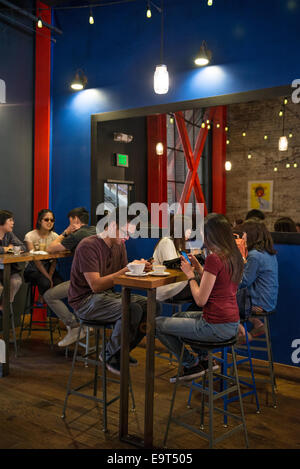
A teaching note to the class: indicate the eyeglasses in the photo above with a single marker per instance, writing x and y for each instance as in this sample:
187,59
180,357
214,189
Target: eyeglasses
49,219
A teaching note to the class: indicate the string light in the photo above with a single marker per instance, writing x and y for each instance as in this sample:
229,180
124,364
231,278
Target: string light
249,156
91,18
227,142
209,3
226,129
288,165
208,126
244,134
218,126
39,23
228,165
280,113
203,125
290,135
285,101
275,169
265,137
148,13
295,165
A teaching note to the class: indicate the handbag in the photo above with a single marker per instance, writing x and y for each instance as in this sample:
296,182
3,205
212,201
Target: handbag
175,263
244,303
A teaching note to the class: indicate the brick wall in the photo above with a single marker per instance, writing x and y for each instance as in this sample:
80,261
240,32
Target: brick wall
257,119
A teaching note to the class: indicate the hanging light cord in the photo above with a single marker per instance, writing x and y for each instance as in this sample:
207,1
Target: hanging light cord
162,32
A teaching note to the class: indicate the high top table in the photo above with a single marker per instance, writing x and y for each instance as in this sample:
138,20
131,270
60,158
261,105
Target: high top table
148,283
7,260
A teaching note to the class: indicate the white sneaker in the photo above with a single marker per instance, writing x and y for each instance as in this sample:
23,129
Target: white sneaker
71,336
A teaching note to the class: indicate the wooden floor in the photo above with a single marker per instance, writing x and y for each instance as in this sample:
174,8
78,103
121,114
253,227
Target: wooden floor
32,397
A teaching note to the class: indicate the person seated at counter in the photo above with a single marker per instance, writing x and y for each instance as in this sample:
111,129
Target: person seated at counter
7,242
77,230
42,273
220,277
260,274
169,248
286,225
255,213
98,260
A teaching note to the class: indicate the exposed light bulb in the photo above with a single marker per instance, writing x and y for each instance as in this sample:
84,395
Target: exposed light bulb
283,143
285,101
203,125
226,129
295,165
227,142
207,121
148,13
209,3
280,113
244,134
91,18
275,169
39,23
218,126
228,165
249,156
159,148
288,165
208,126
161,79
265,137
290,135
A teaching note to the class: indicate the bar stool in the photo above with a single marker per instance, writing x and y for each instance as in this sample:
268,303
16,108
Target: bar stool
12,318
212,395
103,327
227,368
264,316
30,306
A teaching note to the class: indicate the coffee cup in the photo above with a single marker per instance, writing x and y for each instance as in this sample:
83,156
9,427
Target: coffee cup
16,250
159,268
136,269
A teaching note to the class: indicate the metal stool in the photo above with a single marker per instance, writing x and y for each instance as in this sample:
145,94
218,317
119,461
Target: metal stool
97,326
264,315
30,306
212,395
12,318
226,367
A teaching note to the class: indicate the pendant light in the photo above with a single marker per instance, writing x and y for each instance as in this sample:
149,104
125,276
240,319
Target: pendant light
79,81
204,56
283,141
91,18
161,75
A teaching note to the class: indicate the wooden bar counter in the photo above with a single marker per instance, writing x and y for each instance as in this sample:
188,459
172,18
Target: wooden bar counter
7,260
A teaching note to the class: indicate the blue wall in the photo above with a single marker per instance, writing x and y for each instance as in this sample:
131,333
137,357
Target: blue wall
255,45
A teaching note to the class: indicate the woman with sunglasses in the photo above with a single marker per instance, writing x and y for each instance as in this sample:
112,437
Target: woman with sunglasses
42,273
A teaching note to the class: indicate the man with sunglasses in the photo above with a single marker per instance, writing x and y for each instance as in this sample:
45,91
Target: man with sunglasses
97,261
77,230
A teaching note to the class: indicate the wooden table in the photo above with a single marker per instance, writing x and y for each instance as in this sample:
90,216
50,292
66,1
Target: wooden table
149,283
7,260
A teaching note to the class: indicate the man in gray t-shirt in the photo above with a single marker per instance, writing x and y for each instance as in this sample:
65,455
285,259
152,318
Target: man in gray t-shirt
77,230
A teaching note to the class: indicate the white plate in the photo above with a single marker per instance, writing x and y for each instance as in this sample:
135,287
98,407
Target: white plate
158,274
131,274
38,252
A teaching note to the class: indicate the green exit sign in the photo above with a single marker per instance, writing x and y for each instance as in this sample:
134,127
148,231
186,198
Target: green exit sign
122,160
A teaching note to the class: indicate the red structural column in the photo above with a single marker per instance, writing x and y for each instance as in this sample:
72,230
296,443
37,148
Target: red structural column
157,164
218,161
42,112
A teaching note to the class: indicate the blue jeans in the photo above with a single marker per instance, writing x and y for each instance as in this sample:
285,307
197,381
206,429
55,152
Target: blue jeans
191,325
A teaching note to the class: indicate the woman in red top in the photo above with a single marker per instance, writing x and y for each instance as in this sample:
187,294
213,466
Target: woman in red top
216,293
